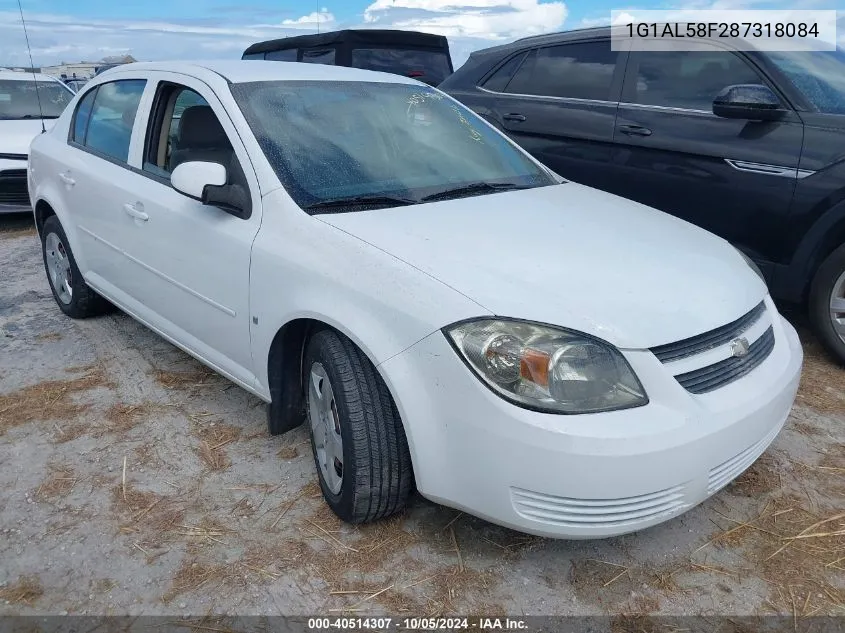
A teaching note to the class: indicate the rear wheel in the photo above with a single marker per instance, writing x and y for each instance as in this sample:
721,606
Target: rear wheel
357,437
70,291
827,303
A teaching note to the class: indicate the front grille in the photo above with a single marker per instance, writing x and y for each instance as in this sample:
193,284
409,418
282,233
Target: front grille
723,474
728,370
597,513
13,187
708,340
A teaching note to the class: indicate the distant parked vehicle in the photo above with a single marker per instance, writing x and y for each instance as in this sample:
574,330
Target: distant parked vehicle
748,145
423,56
75,84
101,69
21,118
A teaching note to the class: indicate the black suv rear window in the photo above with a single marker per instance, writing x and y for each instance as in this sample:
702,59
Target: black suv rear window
429,66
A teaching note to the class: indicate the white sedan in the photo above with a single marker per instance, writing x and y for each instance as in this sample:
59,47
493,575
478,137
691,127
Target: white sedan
367,255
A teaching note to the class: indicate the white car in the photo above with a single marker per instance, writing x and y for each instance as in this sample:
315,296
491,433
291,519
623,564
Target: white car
362,252
21,119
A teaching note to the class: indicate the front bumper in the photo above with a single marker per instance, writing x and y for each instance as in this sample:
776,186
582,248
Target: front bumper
14,189
585,476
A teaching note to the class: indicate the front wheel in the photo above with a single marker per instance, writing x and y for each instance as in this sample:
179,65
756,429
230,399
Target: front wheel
827,303
358,440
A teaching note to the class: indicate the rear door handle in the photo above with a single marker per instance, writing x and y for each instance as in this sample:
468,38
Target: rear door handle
136,211
634,130
514,116
70,182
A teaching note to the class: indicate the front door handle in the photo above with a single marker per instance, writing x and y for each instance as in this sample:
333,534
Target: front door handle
65,178
514,116
136,211
634,130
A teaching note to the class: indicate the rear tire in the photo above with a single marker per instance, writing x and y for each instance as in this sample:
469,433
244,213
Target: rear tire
827,303
357,438
73,296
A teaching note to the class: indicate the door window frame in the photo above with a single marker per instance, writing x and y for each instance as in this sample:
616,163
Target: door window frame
616,83
139,116
629,87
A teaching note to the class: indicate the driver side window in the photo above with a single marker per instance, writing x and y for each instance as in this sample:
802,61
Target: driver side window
184,128
689,79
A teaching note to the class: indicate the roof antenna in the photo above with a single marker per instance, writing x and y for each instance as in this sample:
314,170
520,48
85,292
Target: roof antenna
32,68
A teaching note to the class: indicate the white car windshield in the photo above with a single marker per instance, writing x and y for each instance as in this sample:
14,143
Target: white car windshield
343,146
18,99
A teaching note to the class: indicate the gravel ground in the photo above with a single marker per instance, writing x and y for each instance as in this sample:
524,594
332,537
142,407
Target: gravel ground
134,481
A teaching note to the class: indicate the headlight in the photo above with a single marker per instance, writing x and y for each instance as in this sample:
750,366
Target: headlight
546,368
752,265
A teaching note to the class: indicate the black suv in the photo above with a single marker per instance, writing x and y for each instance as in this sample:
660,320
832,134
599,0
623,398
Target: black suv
748,145
422,56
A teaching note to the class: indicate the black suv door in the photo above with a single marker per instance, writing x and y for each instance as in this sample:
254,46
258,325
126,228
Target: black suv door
733,177
559,102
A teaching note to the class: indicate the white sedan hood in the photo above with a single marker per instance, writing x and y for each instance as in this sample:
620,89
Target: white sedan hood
571,256
16,136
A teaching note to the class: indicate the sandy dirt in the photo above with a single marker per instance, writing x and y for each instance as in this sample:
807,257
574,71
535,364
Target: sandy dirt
134,481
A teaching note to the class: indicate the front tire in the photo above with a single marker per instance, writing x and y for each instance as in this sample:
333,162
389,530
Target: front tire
73,296
357,438
827,303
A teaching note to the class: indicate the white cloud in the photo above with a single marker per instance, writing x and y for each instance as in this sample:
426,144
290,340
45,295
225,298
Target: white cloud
487,19
310,21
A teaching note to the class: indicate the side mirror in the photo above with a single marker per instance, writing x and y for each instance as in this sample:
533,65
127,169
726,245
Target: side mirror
192,177
752,102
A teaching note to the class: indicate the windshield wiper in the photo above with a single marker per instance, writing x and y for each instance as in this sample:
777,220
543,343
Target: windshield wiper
360,201
27,116
471,189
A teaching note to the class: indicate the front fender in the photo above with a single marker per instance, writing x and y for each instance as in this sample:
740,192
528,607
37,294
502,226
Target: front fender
304,268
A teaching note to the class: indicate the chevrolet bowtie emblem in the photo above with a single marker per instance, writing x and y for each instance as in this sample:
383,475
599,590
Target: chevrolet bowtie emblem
740,347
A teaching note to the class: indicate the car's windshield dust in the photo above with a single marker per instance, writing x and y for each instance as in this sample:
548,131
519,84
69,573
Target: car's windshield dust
333,141
18,99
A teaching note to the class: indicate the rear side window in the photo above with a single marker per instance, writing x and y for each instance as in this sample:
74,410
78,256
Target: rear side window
430,66
107,128
689,79
80,118
321,56
498,81
582,70
286,55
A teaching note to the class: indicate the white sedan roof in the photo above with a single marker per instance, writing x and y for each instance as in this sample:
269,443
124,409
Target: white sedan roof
243,71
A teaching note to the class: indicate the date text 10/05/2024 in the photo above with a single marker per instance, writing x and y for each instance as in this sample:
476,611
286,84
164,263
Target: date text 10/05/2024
417,624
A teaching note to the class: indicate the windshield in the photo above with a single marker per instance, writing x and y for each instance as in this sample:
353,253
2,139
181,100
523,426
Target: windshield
819,75
19,101
431,67
329,141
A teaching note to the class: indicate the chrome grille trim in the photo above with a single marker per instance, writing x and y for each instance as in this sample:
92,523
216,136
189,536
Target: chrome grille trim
727,371
709,340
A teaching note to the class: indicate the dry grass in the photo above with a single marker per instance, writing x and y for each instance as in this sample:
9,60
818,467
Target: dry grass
288,452
191,576
121,418
59,483
50,400
761,478
799,553
822,381
13,231
183,379
48,336
213,439
25,591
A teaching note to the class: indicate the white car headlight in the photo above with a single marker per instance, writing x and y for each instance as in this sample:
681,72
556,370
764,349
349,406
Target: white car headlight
546,368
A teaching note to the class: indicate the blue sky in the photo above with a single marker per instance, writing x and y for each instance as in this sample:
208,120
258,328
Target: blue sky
74,30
